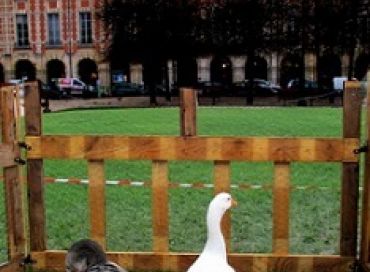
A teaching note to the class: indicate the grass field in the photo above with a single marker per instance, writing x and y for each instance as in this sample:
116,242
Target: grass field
314,213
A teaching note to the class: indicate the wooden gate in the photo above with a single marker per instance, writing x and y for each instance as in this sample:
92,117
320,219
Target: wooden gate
365,228
162,149
9,159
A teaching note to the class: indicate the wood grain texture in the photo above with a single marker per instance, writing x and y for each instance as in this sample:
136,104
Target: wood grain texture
149,261
281,201
160,206
12,181
193,148
35,171
7,155
13,265
188,112
97,202
350,171
222,184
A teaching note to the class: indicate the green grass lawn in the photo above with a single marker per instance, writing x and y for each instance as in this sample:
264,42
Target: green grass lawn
314,213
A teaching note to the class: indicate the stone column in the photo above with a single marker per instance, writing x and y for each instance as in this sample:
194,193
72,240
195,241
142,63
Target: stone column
171,72
273,68
310,69
238,67
104,74
136,73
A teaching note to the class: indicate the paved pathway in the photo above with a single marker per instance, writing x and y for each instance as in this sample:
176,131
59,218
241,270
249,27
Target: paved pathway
137,102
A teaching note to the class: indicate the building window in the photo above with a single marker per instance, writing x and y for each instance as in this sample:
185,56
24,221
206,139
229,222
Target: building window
22,30
54,29
85,28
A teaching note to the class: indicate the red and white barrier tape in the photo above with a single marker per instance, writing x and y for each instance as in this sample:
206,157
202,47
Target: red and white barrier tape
198,185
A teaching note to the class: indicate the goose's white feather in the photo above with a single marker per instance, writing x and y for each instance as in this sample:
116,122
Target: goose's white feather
213,257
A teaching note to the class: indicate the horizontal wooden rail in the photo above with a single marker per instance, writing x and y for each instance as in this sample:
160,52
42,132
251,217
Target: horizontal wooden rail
193,148
149,261
13,265
10,267
7,155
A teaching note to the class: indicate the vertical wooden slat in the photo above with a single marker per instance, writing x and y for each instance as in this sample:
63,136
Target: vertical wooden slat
188,101
12,182
365,228
222,184
281,194
160,206
350,171
36,206
97,201
17,111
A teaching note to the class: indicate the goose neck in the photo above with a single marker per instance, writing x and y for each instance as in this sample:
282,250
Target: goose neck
215,241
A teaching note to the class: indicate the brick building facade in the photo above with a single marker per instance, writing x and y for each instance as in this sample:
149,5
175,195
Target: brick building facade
52,38
45,39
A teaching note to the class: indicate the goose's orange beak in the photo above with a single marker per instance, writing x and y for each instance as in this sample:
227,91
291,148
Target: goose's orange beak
234,203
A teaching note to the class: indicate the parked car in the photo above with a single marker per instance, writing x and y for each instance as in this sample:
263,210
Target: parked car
75,87
160,89
211,88
127,89
259,87
295,90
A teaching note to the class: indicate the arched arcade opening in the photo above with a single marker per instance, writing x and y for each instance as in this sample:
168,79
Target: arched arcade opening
290,69
25,69
221,70
55,68
88,71
256,67
328,67
187,71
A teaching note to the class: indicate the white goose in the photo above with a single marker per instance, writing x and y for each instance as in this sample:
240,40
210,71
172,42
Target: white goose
213,257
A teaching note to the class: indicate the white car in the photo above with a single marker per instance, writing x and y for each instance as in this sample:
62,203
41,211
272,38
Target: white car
74,87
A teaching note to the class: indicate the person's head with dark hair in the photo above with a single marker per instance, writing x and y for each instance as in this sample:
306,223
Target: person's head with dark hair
84,254
88,256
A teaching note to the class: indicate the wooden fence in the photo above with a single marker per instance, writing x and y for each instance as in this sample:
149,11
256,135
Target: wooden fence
221,151
9,155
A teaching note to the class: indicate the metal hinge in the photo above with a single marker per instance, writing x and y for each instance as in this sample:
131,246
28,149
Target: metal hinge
361,149
27,261
20,161
24,145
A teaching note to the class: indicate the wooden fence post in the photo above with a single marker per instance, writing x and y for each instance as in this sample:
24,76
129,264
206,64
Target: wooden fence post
188,112
350,171
160,181
97,201
13,185
35,171
365,228
160,206
281,200
188,103
222,184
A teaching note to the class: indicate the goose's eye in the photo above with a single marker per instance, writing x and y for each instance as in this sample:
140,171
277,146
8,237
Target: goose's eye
229,198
